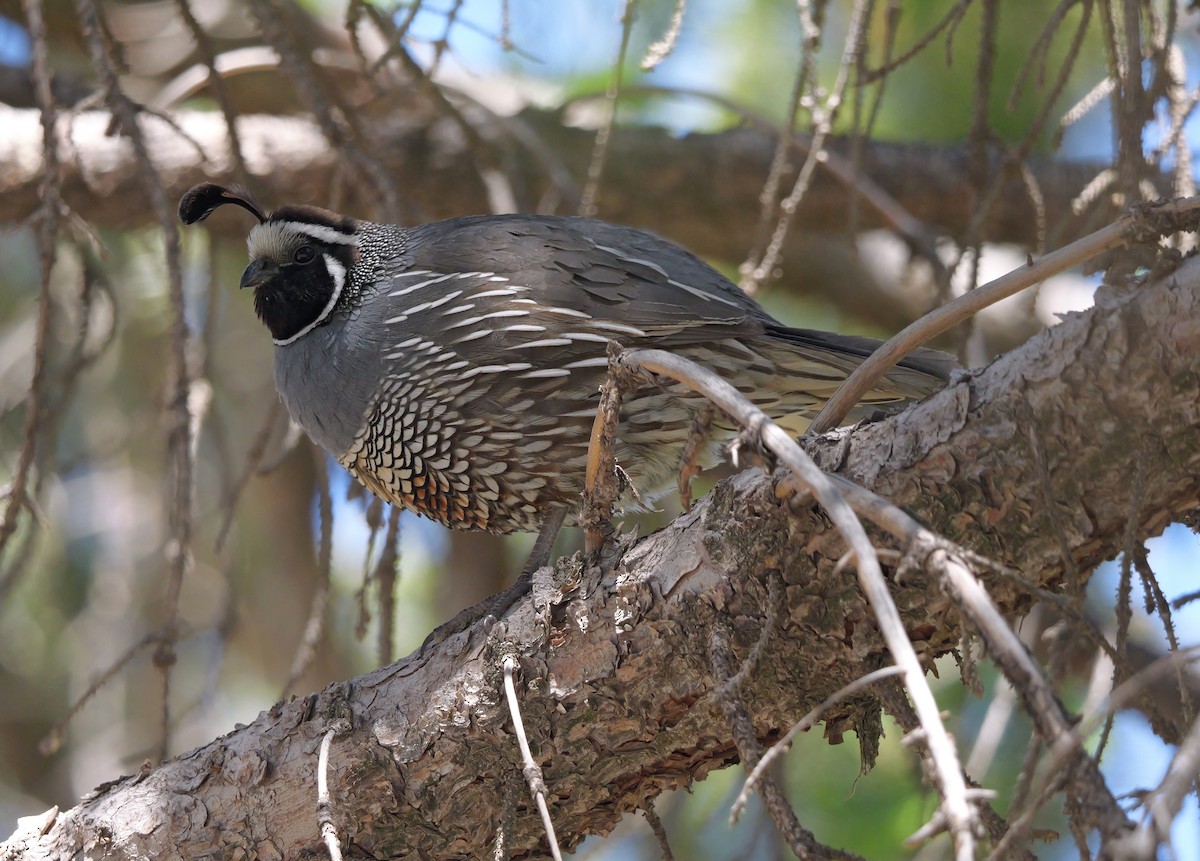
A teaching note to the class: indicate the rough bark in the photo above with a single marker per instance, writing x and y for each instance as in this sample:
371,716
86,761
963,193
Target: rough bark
1033,461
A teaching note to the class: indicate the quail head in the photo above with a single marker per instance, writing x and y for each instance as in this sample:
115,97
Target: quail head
453,368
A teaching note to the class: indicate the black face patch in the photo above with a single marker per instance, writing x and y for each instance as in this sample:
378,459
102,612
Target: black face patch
295,298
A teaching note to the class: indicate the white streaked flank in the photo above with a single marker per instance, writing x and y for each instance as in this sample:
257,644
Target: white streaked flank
545,373
619,327
474,336
597,362
424,306
544,342
495,369
524,327
436,280
570,312
471,321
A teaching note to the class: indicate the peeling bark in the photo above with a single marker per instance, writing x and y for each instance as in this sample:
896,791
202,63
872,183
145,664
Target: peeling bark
1031,461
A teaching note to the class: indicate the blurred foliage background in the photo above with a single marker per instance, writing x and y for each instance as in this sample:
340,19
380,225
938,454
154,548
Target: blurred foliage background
84,592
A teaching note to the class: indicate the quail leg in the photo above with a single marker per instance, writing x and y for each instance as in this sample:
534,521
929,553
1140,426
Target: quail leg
496,605
544,546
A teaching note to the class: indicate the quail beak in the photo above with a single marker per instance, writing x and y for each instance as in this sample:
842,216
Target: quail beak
259,272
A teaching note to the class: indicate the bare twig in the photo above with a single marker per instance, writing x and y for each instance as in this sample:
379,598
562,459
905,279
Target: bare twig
1131,227
952,17
53,740
801,841
754,273
47,220
660,833
220,91
689,456
784,744
386,574
591,189
258,450
324,805
533,771
601,489
314,628
179,447
661,49
1163,804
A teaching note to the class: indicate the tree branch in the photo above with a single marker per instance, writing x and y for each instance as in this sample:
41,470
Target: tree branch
291,161
619,698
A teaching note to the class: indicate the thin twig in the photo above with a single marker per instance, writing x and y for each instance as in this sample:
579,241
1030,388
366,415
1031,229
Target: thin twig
386,574
53,740
532,771
315,626
689,455
660,833
662,49
258,450
47,220
1163,804
755,273
601,488
800,840
953,16
1128,228
591,189
179,447
324,806
220,91
784,744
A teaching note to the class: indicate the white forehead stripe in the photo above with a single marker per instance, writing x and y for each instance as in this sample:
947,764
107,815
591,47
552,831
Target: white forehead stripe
338,273
320,232
276,238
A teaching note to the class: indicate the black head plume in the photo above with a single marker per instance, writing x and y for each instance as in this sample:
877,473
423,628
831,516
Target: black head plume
199,201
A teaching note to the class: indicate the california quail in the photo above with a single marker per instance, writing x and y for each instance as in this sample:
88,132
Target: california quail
454,367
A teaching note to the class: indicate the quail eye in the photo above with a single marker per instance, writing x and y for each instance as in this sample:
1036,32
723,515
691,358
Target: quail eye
304,254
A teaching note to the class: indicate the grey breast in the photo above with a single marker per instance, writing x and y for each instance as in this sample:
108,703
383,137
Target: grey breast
328,380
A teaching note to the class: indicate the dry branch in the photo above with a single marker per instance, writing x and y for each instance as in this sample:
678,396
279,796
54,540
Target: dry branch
619,696
290,160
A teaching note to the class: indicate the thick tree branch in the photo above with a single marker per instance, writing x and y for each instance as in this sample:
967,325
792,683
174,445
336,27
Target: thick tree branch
698,174
617,689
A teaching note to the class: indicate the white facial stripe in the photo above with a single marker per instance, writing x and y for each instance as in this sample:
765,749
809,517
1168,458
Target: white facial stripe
320,232
338,273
